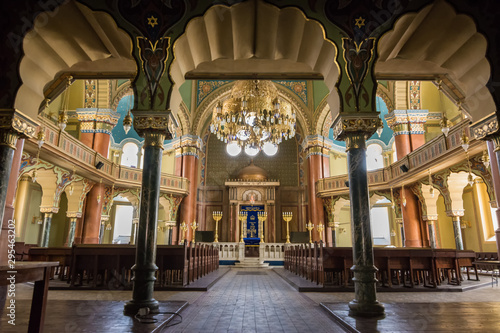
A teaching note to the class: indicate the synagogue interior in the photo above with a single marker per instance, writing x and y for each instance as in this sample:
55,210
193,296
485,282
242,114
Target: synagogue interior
150,146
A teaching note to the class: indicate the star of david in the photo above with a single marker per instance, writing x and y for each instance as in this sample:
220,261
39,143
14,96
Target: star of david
152,21
359,22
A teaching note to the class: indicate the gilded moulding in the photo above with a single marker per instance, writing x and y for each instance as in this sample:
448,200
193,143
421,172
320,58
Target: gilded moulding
49,210
75,215
365,123
145,122
13,125
485,127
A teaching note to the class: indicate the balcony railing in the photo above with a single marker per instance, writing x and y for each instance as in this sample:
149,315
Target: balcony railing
65,144
424,156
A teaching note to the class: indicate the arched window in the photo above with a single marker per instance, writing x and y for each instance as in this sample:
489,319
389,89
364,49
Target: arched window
374,158
379,217
129,156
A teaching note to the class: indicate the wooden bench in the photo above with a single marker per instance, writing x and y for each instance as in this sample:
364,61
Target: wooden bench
60,254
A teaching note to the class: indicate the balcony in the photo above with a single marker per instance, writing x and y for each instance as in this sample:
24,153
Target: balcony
65,151
437,154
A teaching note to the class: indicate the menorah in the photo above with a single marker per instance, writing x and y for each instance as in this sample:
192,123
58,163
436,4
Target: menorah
320,227
262,216
243,217
287,216
217,217
184,228
194,226
310,227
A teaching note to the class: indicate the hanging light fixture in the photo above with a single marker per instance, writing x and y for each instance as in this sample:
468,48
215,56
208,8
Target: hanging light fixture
100,191
63,116
380,128
253,119
464,141
40,141
485,159
445,128
403,194
108,226
431,189
127,121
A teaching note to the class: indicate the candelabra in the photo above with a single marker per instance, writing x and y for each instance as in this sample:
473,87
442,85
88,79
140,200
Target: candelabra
217,217
242,216
194,226
310,227
287,216
320,227
262,216
184,228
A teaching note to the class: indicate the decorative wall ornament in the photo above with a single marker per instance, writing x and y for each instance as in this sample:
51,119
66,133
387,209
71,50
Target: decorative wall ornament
414,93
90,94
298,87
483,128
151,122
205,87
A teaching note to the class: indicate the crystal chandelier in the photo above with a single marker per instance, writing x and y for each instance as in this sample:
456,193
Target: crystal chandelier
253,119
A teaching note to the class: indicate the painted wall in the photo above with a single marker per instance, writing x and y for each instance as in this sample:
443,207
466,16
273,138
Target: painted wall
168,163
338,165
444,227
344,239
60,224
32,230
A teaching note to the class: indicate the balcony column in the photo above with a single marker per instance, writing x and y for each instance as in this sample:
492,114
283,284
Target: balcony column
457,230
332,230
47,220
96,125
408,128
431,220
494,154
72,225
13,125
190,153
316,152
153,128
92,218
354,128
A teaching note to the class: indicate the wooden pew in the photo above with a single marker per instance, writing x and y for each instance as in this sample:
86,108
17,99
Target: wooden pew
60,254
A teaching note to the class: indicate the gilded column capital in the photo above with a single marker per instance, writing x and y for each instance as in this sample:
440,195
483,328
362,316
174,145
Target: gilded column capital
14,125
360,124
148,122
75,215
153,139
190,145
430,218
316,145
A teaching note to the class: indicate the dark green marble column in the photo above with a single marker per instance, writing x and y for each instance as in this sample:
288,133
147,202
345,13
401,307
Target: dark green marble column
145,267
365,302
47,220
6,156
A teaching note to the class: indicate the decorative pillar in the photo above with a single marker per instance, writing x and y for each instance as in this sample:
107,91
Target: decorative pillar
93,211
72,226
314,146
494,154
333,233
354,128
154,130
408,128
13,125
96,125
432,231
47,220
190,153
9,201
457,230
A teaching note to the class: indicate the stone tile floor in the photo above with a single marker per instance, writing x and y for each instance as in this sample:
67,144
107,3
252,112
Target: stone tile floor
266,303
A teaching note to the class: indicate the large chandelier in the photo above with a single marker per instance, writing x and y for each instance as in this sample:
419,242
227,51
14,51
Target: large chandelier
253,119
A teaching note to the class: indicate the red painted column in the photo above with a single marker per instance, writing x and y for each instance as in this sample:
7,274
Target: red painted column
93,211
9,200
188,204
403,145
315,163
411,220
87,139
101,143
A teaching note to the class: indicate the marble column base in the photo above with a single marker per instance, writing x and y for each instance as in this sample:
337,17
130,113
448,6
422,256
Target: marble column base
144,280
365,303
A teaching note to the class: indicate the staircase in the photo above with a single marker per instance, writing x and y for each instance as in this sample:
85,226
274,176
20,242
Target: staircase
251,263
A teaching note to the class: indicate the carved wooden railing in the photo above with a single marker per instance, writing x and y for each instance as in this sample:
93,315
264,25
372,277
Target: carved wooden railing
425,156
63,144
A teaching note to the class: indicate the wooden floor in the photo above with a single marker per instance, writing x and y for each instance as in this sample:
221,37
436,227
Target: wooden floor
259,300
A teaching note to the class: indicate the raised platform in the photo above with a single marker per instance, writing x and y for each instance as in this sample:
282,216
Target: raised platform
251,263
422,317
303,285
93,316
